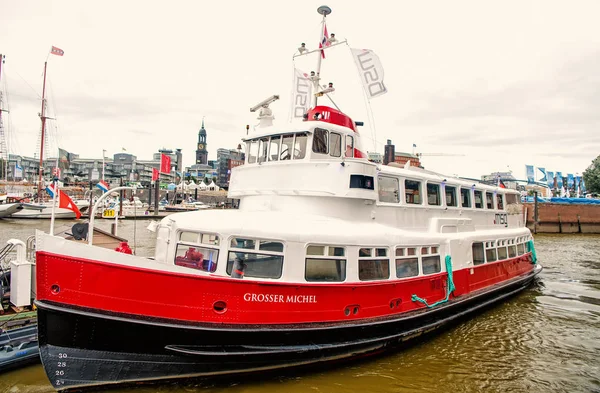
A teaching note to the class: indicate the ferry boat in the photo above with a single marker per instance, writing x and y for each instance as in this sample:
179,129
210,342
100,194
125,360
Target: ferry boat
329,257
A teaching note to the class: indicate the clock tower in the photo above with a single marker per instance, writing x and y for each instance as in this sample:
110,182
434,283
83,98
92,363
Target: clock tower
201,152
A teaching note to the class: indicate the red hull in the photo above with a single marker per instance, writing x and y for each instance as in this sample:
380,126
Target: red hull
151,293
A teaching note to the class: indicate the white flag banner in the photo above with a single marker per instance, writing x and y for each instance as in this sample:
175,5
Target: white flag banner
18,171
301,95
370,70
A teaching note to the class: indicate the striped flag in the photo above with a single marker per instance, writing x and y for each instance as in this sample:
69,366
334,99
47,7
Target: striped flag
57,51
102,185
324,40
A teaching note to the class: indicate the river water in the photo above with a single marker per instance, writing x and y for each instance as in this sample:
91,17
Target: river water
547,339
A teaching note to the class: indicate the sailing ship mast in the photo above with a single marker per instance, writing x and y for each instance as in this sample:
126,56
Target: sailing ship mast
3,142
43,117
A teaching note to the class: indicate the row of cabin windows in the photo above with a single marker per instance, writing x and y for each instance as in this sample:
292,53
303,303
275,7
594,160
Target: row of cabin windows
498,250
436,195
264,259
293,146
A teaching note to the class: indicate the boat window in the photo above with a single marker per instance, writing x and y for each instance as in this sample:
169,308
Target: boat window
502,253
335,145
268,245
194,257
500,200
286,147
371,265
266,260
412,191
252,151
490,255
433,194
424,250
320,144
512,251
465,197
411,251
263,148
237,242
349,146
520,249
478,199
407,267
512,198
478,255
191,237
435,250
329,267
451,196
274,148
431,264
209,238
388,189
300,146
361,181
489,200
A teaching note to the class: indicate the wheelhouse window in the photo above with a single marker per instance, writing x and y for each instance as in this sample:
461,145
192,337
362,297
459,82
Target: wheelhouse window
373,264
502,251
500,201
512,249
478,199
362,181
451,196
433,194
252,148
412,192
263,149
406,265
335,144
300,146
520,249
489,200
320,141
325,263
389,190
512,199
287,143
465,197
198,251
349,146
274,148
478,254
259,258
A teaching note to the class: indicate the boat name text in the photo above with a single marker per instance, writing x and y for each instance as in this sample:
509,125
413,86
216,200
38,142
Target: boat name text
501,219
272,298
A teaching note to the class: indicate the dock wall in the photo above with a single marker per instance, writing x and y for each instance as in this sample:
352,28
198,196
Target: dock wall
563,218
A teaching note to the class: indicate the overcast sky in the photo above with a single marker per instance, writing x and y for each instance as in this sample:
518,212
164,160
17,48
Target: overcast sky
495,85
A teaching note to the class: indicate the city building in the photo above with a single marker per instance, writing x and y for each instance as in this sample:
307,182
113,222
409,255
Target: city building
226,160
201,152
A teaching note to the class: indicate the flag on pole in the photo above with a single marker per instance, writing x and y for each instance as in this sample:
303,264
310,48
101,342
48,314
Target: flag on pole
64,201
165,163
155,174
370,70
102,185
324,39
57,51
301,94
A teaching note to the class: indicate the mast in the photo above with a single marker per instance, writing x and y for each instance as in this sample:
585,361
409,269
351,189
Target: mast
323,10
43,117
3,142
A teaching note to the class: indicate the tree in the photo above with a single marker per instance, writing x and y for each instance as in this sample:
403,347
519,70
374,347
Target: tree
591,176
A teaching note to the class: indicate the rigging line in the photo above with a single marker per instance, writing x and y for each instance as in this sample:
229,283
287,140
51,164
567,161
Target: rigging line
368,102
39,97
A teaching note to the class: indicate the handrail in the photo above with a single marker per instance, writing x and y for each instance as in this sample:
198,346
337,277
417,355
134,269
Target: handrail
93,212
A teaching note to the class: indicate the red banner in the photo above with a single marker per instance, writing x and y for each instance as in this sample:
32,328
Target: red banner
155,174
165,163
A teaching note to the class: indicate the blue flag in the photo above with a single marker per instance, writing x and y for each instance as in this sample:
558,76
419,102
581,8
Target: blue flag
530,173
559,179
543,178
550,179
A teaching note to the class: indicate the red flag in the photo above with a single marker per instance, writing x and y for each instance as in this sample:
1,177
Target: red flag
57,51
67,203
501,184
155,174
165,163
324,40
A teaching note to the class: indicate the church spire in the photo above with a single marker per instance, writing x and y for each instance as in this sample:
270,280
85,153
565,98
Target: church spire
202,123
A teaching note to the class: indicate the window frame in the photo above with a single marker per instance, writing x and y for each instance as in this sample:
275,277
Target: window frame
326,142
469,199
326,257
396,191
419,192
374,257
255,250
446,187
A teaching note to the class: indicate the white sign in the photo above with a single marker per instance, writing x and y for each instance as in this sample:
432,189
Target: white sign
301,94
371,72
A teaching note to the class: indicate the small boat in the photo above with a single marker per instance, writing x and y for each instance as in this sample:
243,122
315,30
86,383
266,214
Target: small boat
19,347
329,257
44,210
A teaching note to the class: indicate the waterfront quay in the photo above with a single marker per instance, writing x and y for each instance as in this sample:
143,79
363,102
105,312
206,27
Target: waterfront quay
545,339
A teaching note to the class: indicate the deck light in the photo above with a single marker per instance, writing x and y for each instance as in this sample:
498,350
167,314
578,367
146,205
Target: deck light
302,48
